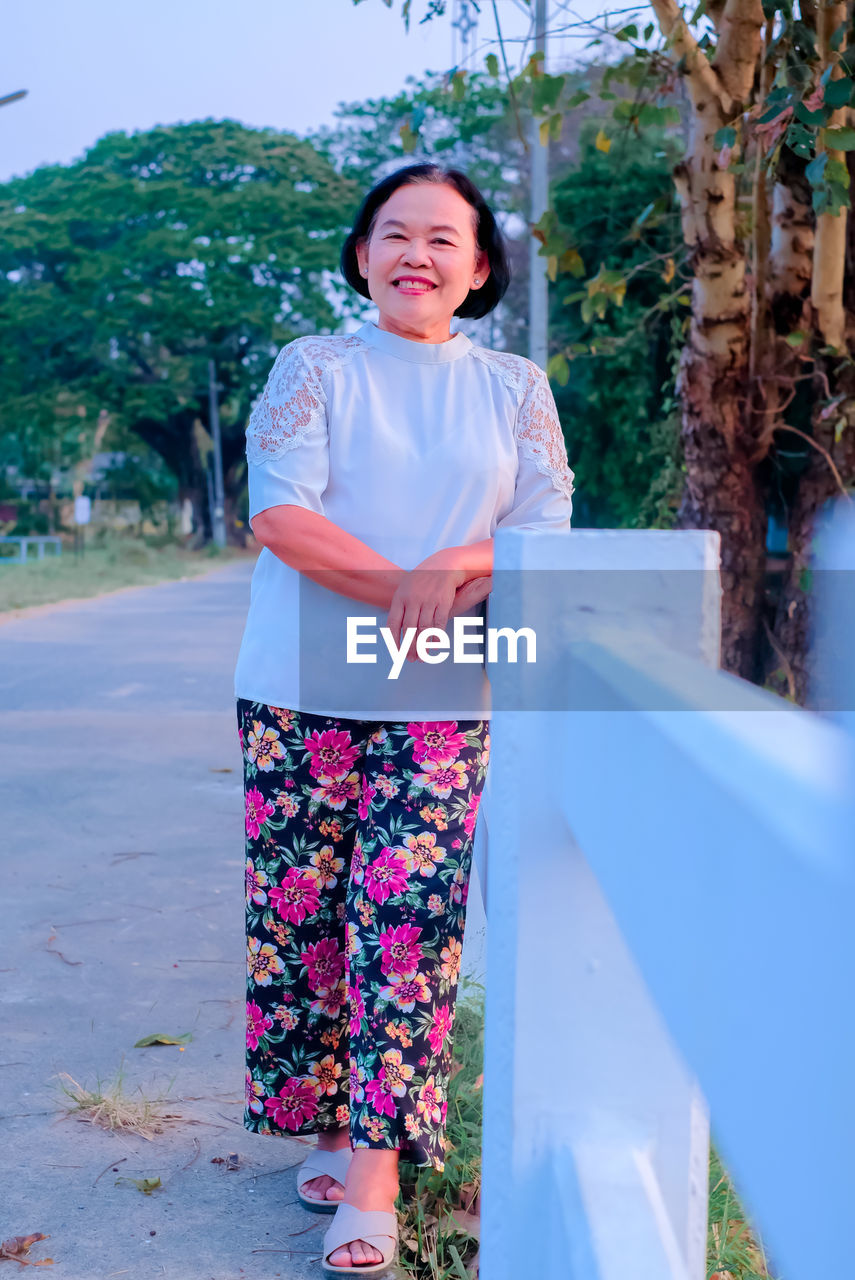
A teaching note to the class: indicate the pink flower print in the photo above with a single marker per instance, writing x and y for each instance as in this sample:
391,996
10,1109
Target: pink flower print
256,883
263,747
284,717
327,865
324,962
366,796
405,991
387,787
378,738
429,1101
297,898
257,812
436,740
440,779
326,1073
423,853
484,757
450,956
254,1093
401,949
459,887
332,752
443,1020
357,1009
457,844
380,1096
262,961
388,767
335,792
293,1105
330,1001
412,1126
257,1024
436,906
471,814
357,862
386,875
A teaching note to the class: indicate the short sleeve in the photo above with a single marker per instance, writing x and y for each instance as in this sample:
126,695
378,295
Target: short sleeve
287,439
544,484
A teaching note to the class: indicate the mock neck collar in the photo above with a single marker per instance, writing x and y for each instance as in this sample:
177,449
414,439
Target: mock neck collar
409,349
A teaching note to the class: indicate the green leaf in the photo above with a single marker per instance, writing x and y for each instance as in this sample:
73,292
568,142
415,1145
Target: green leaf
627,33
492,65
838,37
724,137
837,92
816,169
839,427
648,31
818,117
145,1185
796,338
577,99
842,139
458,85
162,1038
558,368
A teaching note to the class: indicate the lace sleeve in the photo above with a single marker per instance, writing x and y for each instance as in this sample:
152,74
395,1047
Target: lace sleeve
538,430
291,406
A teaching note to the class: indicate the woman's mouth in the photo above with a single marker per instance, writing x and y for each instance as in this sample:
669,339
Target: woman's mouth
413,286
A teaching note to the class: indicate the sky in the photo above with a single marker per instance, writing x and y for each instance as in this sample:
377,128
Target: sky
93,66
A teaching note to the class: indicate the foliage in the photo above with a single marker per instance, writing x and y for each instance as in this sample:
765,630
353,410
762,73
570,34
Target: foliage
122,274
617,402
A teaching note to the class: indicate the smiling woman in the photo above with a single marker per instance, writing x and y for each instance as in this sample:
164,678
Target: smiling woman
381,464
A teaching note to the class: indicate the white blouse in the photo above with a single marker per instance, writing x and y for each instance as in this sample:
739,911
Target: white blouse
411,447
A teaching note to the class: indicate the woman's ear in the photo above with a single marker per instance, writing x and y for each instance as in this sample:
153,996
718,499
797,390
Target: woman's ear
362,257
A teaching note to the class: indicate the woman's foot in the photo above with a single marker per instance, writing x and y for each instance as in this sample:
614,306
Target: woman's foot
372,1183
324,1187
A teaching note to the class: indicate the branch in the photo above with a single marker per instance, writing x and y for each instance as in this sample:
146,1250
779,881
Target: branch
785,426
703,80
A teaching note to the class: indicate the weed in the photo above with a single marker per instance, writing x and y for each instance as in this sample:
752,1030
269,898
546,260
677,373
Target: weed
109,1106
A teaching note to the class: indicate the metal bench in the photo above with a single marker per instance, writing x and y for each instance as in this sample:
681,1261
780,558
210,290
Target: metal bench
23,545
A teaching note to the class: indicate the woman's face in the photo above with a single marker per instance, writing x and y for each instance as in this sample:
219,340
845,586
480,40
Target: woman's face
425,231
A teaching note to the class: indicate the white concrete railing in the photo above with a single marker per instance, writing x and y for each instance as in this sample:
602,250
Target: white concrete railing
670,897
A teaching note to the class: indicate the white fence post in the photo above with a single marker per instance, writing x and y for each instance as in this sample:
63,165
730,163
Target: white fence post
670,901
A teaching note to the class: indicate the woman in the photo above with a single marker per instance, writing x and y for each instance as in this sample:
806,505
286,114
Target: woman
381,464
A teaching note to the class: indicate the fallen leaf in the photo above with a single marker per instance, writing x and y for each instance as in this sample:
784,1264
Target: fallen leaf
161,1038
15,1247
145,1185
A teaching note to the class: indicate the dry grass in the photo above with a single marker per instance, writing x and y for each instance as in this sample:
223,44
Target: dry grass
111,1107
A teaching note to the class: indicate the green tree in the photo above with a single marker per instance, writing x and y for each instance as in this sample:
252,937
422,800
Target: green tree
123,273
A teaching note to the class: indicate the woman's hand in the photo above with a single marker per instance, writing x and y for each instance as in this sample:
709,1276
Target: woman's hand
425,598
471,593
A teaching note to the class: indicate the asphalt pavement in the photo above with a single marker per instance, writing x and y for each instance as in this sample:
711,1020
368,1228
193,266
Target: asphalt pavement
121,856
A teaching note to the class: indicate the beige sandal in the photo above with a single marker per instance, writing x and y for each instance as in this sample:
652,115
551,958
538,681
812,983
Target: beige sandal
332,1163
374,1226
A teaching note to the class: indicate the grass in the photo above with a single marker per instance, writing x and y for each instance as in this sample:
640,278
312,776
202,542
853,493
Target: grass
120,562
111,1107
436,1238
440,1216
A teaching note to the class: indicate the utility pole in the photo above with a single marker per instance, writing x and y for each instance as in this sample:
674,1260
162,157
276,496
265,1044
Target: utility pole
218,508
538,296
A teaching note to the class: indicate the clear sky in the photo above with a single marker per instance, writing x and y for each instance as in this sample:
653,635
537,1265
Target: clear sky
91,66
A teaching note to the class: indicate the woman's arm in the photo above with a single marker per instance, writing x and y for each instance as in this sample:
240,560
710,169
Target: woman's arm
324,552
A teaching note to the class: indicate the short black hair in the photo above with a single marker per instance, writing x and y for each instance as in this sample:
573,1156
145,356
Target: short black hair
488,236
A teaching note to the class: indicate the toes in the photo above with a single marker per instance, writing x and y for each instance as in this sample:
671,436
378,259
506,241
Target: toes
363,1254
341,1258
335,1191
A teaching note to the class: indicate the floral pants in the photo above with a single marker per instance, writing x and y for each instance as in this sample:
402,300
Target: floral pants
359,842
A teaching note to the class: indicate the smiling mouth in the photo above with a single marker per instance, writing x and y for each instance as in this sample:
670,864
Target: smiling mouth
413,286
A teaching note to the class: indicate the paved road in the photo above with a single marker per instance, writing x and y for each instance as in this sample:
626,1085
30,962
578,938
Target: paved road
122,843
